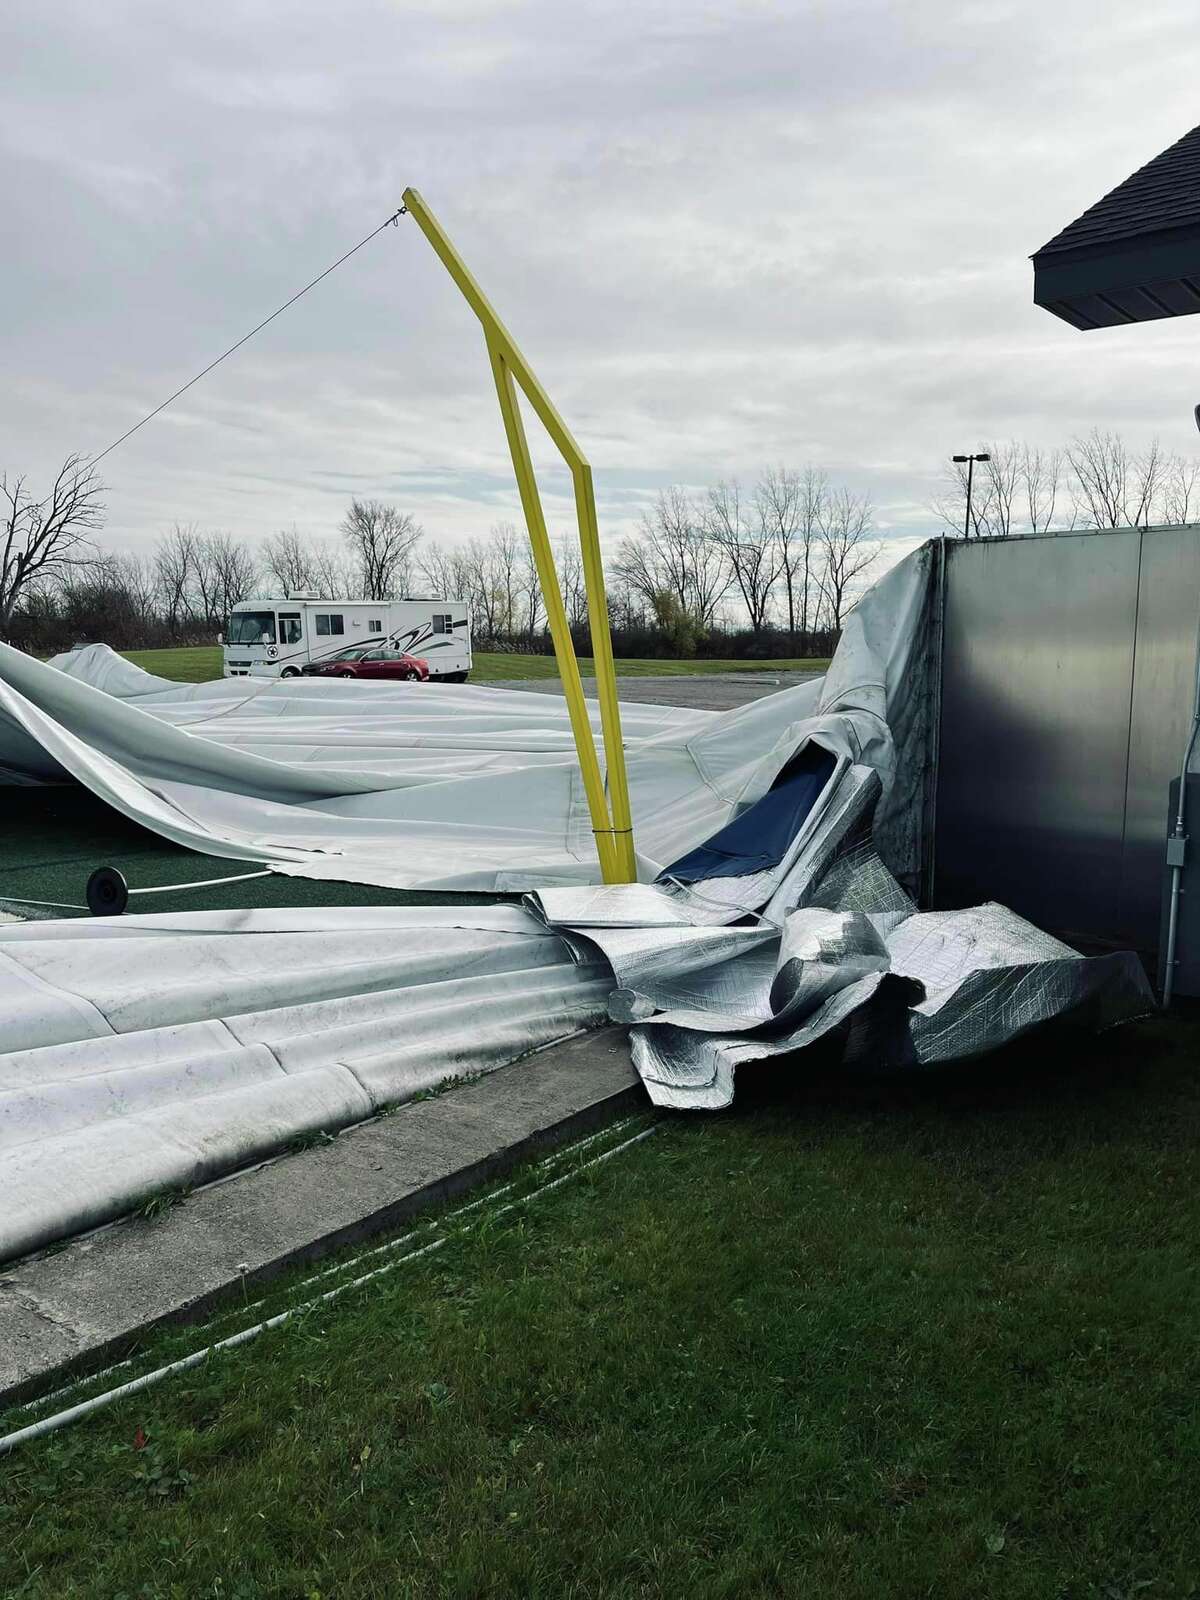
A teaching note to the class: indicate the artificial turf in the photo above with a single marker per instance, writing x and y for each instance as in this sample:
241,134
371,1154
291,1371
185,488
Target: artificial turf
927,1336
54,837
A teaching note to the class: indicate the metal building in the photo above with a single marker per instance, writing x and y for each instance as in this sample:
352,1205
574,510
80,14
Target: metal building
1101,827
1067,670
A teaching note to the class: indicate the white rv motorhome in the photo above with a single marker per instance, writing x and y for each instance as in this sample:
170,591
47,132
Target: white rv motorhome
275,638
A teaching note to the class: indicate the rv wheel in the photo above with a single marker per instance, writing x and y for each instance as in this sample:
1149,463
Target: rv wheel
290,672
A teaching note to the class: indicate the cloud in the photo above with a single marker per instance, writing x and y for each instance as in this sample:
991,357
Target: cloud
726,234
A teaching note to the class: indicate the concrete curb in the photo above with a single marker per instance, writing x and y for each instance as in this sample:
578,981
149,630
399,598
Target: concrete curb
86,1305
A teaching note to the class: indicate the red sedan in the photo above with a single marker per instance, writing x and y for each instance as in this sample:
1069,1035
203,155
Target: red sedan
370,661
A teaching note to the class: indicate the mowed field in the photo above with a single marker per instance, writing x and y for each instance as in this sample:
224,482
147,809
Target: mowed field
196,664
934,1335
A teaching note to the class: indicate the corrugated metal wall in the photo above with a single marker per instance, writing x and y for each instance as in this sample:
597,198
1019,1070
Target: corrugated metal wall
1067,672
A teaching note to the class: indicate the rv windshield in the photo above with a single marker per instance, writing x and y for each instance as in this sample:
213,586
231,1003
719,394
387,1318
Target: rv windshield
248,627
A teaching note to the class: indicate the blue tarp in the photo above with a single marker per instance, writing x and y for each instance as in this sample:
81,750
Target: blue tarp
758,839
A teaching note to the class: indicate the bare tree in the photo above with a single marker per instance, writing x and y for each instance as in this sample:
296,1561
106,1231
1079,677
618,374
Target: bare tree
626,607
331,573
951,504
656,561
569,562
111,598
206,581
382,540
504,562
532,609
1179,496
845,529
789,506
225,573
478,570
1041,481
1145,484
175,561
1114,489
443,571
674,555
41,540
287,559
751,552
710,578
1017,490
994,498
636,568
1001,481
136,576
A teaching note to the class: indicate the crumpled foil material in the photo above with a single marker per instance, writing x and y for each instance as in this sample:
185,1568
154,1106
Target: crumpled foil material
825,946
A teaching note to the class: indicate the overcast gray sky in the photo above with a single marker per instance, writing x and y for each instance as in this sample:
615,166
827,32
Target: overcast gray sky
726,234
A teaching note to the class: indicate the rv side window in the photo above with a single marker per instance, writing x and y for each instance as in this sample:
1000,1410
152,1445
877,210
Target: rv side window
442,622
329,622
289,629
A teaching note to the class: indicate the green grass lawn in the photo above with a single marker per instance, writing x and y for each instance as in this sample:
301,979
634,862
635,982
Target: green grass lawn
197,663
932,1336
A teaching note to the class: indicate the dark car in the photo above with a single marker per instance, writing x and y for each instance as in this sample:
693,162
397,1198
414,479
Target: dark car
383,662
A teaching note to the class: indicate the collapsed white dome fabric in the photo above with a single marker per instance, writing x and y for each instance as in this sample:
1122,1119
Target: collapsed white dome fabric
151,1052
147,1052
143,1053
439,786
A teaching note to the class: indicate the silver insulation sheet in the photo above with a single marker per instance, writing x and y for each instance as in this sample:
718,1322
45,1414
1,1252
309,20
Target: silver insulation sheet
835,951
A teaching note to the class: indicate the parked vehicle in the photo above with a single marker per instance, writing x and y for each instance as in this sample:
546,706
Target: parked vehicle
274,638
395,666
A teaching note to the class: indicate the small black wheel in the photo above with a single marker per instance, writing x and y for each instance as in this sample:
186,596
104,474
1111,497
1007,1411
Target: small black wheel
107,892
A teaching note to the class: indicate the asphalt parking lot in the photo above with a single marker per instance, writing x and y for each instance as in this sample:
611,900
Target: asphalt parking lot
710,691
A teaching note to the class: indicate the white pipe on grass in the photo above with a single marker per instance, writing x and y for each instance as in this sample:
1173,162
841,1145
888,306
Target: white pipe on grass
389,1245
85,1408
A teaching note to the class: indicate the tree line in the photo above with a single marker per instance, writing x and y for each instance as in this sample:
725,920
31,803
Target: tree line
1095,481
766,572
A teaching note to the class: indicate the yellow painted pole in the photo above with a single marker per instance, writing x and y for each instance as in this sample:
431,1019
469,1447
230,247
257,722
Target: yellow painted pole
556,614
614,834
606,674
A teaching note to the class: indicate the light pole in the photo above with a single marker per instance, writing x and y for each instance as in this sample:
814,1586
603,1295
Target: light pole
971,460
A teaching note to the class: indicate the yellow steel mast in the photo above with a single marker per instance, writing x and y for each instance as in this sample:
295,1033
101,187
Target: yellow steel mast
613,828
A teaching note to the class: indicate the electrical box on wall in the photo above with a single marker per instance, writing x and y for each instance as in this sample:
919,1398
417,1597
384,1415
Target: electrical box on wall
1187,934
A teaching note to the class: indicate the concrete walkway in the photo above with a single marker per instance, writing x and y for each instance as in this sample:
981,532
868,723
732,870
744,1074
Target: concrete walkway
85,1305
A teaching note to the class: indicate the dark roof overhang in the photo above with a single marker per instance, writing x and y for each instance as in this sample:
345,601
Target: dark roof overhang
1135,255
